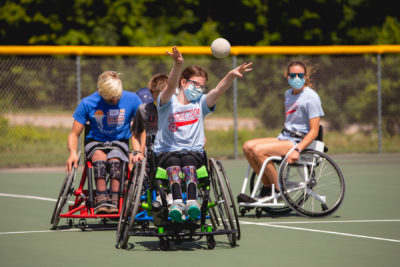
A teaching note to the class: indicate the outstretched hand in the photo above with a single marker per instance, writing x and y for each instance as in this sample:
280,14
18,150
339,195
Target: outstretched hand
239,71
176,55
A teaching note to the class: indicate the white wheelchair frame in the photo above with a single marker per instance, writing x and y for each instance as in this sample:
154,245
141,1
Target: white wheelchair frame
273,201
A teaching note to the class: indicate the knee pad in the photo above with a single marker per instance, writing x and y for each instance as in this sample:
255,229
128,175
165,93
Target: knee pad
99,169
115,169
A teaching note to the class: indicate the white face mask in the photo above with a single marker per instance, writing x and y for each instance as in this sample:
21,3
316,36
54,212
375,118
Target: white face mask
193,93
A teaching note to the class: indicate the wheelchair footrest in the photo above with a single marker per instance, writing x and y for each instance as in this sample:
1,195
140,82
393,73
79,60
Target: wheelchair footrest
181,234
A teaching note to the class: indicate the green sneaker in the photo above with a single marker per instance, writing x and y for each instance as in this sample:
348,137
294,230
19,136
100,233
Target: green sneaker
193,210
176,212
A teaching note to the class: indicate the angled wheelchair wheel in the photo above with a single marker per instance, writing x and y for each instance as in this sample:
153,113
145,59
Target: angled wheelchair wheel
132,205
224,201
123,217
313,186
65,192
270,210
232,199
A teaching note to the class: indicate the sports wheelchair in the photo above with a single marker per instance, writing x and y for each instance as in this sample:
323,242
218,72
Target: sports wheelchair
142,215
312,187
82,206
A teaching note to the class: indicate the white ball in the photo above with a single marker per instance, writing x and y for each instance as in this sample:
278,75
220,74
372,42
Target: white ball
220,48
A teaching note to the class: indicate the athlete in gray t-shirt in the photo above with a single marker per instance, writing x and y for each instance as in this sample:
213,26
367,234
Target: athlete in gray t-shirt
303,111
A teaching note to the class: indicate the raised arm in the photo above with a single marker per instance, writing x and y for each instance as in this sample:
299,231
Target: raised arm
174,75
226,82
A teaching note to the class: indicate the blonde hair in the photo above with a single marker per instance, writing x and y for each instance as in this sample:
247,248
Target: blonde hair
109,85
157,83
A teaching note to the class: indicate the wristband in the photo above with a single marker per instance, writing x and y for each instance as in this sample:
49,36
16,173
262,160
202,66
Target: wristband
298,150
136,152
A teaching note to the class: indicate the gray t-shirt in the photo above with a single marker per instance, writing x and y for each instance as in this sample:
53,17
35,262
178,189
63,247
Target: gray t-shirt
145,119
299,109
181,127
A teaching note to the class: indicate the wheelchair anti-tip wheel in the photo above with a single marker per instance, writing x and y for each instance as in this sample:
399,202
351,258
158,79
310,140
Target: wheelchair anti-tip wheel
65,192
132,205
313,186
223,198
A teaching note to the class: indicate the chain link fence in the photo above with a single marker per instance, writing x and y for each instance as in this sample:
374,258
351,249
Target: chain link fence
38,95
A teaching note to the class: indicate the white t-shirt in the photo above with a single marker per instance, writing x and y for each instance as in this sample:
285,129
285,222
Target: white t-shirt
181,127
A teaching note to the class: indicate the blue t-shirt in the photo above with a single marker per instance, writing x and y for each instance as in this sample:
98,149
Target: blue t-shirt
107,122
181,127
299,109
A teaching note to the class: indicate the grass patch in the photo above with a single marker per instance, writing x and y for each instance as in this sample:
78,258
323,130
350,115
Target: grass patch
27,146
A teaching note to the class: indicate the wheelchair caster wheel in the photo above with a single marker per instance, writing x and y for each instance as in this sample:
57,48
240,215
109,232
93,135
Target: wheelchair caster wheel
82,224
145,226
242,211
258,212
210,242
164,244
70,223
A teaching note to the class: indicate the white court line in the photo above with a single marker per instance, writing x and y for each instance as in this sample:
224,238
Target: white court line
273,224
39,231
30,197
322,231
347,221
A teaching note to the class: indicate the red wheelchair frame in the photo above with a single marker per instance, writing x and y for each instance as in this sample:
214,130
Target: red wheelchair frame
83,206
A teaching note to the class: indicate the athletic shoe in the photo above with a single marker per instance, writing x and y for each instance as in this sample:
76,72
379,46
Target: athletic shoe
245,198
176,212
113,206
101,204
264,192
193,210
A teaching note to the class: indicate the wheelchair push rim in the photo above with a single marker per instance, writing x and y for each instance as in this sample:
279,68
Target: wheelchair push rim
313,186
224,203
132,205
127,199
65,191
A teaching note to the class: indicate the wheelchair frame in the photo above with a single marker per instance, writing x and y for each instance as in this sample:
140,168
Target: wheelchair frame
310,168
137,215
83,206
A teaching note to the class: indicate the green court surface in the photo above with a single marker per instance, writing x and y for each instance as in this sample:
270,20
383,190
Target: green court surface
365,231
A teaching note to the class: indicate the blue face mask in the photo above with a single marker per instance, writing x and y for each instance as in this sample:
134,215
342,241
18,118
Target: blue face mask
193,93
296,83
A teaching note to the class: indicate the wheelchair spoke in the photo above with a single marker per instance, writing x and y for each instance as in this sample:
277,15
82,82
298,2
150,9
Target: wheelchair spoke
323,188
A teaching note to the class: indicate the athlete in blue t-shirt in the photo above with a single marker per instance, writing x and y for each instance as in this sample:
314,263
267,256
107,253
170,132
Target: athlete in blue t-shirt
303,111
180,137
109,111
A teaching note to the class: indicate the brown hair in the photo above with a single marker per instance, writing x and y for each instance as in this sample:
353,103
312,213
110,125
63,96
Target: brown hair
194,71
157,83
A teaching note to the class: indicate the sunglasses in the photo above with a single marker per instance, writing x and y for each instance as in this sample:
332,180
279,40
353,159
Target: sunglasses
198,85
293,75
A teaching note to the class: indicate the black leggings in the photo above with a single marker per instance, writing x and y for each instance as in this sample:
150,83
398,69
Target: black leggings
182,160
